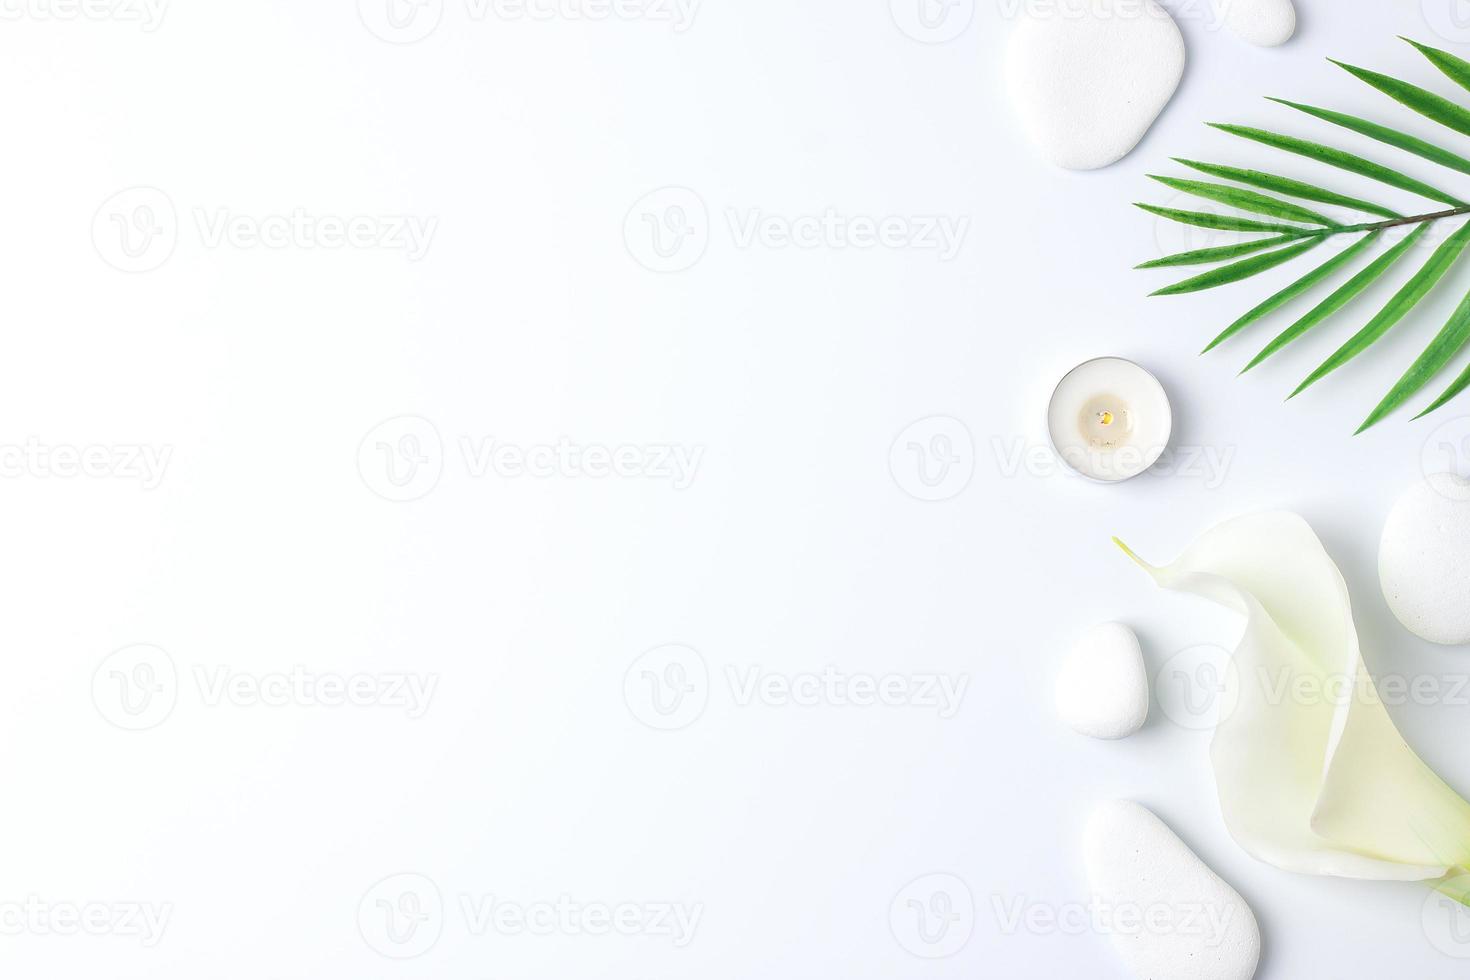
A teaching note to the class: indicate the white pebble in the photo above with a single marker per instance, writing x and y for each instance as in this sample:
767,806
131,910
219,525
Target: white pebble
1424,561
1102,688
1264,22
1167,914
1089,77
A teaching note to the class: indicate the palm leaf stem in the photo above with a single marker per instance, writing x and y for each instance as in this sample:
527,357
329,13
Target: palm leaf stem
1400,222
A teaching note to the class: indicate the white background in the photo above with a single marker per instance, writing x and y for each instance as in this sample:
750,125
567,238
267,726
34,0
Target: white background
267,544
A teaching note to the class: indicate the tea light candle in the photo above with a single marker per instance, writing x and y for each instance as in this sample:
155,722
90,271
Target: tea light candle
1110,419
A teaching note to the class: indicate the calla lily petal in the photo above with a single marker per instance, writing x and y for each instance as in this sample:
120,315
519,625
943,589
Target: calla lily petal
1321,785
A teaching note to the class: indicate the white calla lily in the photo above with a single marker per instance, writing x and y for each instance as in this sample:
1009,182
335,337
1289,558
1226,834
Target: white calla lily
1316,785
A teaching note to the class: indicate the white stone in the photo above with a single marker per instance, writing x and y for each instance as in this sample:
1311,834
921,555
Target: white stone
1424,560
1089,77
1102,688
1264,22
1166,913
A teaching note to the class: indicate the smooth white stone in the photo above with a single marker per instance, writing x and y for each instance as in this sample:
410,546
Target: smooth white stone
1424,560
1102,688
1264,22
1172,918
1089,77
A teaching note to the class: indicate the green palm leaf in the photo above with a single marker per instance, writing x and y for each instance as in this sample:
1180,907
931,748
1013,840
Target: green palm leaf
1445,346
1403,141
1287,186
1342,160
1403,301
1265,207
1342,296
1237,271
1456,69
1421,100
1461,383
1219,222
1247,200
1306,282
1220,253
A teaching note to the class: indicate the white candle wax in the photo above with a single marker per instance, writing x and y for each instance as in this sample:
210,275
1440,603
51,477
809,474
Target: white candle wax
1110,419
